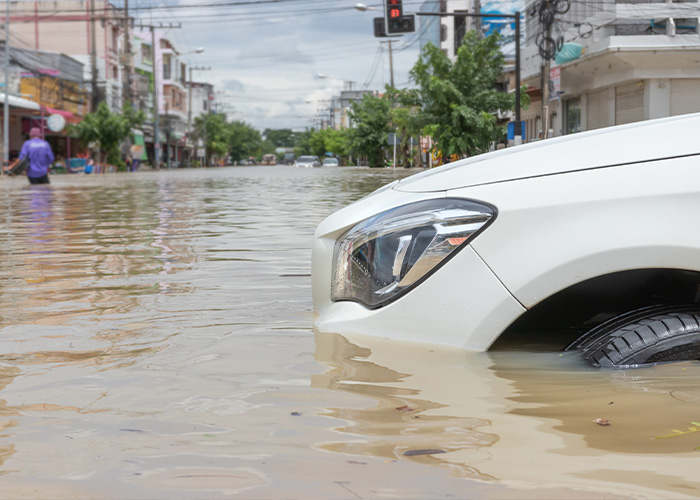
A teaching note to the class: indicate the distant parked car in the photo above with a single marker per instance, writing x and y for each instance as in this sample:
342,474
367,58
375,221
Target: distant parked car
307,161
587,243
331,162
269,159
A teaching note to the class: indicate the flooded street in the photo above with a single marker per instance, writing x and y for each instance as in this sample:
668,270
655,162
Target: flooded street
157,342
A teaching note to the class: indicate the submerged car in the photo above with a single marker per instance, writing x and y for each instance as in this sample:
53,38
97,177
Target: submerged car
307,161
588,243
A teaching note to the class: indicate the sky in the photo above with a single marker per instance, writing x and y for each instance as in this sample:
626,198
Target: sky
266,55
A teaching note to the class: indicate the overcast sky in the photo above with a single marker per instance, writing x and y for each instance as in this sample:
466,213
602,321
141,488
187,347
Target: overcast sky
266,55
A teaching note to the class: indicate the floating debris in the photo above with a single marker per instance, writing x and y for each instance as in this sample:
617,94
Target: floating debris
676,432
430,451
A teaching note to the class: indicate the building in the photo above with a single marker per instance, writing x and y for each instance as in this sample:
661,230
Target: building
201,102
69,27
622,62
340,107
42,84
171,80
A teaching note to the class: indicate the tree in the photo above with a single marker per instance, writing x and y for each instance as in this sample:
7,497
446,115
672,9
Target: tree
107,130
281,138
212,129
371,119
406,119
243,141
460,99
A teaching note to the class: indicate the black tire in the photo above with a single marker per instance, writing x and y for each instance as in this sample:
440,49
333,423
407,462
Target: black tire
645,337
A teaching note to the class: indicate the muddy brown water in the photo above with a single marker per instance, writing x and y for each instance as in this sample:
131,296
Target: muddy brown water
157,342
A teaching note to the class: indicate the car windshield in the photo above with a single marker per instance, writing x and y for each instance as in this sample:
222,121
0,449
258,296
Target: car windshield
306,158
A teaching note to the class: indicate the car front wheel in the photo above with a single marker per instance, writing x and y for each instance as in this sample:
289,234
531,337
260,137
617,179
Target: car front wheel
643,337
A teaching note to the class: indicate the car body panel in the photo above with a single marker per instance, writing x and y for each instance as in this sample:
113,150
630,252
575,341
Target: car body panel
616,224
473,324
633,143
565,217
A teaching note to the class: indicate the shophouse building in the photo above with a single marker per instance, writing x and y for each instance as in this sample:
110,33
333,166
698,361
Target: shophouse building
70,27
621,62
42,84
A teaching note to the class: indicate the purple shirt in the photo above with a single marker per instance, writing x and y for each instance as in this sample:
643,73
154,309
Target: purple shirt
40,157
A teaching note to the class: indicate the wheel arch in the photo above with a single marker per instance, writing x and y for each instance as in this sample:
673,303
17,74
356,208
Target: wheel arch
562,317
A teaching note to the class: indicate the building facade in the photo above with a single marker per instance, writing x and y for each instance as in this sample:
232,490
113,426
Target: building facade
70,27
630,61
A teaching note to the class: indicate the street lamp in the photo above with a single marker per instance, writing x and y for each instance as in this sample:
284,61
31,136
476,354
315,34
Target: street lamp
156,106
363,8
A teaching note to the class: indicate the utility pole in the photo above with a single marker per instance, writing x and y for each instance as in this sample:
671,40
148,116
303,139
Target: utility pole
6,109
545,77
93,57
156,104
127,55
391,62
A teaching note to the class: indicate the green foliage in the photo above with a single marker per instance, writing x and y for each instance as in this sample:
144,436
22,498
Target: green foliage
368,137
222,138
107,130
280,138
459,99
302,145
407,120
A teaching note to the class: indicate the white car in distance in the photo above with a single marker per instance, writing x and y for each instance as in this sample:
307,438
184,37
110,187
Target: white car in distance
307,161
588,242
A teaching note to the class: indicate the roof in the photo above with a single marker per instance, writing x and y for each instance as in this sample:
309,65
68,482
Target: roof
19,102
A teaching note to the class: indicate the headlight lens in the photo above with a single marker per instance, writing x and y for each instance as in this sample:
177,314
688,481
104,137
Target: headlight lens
386,255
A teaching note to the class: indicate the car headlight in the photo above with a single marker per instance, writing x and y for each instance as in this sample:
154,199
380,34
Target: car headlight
385,256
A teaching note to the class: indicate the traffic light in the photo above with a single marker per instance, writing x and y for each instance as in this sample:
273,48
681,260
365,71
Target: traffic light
397,22
404,24
394,10
379,27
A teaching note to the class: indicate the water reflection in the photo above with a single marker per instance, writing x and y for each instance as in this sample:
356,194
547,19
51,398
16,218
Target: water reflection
520,419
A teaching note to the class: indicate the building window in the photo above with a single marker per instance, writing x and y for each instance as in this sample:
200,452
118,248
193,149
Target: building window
115,39
572,116
146,54
166,67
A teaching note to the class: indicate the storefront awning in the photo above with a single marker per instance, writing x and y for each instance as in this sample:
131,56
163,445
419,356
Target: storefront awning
64,114
19,102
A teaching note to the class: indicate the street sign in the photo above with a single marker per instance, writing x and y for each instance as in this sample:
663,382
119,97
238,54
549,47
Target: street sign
55,123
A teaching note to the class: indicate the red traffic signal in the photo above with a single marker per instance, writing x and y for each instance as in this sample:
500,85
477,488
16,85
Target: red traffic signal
394,9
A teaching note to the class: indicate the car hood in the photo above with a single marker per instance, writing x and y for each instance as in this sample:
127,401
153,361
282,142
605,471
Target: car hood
613,146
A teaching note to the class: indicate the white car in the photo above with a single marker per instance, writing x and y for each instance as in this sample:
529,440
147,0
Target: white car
307,161
588,242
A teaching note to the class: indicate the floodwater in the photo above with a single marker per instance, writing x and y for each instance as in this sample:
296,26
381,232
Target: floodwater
157,342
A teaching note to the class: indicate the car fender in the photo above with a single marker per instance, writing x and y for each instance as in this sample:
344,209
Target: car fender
558,230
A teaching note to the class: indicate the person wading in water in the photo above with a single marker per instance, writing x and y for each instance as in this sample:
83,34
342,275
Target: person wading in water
40,157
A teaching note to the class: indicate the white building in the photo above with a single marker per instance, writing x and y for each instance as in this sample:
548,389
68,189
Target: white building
640,60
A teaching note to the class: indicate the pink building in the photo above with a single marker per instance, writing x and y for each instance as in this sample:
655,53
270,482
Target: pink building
68,27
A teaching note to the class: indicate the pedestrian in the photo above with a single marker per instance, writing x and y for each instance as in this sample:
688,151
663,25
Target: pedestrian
40,157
